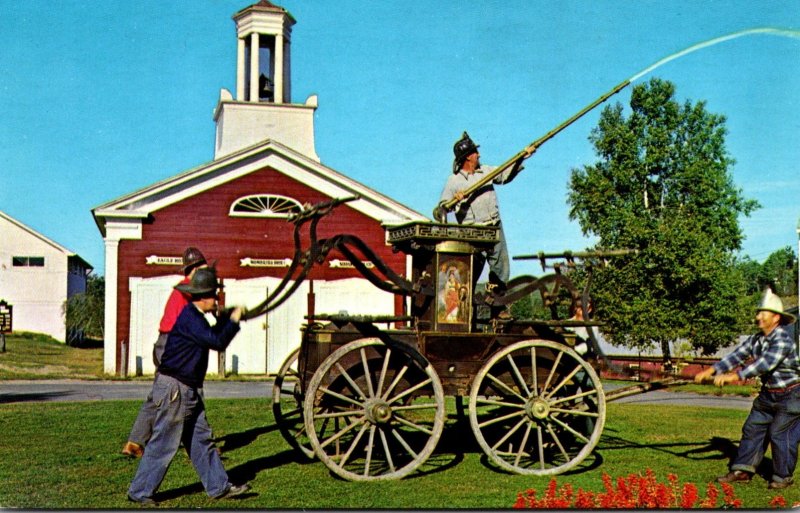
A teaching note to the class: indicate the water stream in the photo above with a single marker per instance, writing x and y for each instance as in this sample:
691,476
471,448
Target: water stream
772,31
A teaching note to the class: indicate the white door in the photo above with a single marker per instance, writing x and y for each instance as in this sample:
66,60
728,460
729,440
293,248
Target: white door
247,353
354,296
148,298
265,341
285,323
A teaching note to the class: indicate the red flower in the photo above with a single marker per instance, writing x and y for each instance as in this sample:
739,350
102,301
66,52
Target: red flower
633,491
584,500
778,502
712,493
688,495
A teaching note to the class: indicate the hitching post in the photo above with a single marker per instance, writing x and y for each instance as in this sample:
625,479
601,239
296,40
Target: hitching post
6,323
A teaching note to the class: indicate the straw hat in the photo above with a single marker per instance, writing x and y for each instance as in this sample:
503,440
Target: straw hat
772,303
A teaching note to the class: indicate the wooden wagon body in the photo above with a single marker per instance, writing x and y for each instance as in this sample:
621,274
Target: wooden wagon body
370,396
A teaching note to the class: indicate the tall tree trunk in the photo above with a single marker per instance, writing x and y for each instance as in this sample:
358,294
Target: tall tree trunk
666,356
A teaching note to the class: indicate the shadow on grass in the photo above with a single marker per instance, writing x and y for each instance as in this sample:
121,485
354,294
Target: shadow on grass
457,440
248,470
716,448
235,441
239,474
32,397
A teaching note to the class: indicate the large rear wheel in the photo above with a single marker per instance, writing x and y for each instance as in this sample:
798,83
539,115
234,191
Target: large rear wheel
536,407
287,405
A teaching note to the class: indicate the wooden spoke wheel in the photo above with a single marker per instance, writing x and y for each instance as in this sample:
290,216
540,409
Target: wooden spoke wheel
373,411
536,407
287,405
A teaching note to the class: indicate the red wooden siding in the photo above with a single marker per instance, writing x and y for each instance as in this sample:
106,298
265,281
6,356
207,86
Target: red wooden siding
203,221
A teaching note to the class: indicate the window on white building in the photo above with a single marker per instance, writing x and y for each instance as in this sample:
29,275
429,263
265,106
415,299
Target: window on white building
264,205
27,261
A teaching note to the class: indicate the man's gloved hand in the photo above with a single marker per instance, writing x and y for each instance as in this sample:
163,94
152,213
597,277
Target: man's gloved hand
439,214
704,375
232,312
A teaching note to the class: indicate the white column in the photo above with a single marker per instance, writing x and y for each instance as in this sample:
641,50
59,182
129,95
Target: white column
240,64
278,68
110,321
254,67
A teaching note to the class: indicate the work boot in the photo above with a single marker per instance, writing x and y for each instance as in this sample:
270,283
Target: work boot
735,476
234,491
132,449
780,485
146,501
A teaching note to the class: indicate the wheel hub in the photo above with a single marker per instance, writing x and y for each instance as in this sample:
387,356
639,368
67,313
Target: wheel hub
378,411
537,409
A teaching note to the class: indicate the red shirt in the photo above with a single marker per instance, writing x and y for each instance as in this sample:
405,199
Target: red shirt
177,300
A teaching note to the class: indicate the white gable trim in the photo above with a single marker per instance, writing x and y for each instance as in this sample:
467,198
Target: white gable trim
36,234
140,204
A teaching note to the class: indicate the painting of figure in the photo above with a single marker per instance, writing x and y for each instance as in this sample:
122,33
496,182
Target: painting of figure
454,290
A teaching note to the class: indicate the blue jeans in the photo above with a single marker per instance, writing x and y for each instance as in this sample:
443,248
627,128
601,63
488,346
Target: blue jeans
143,425
498,259
180,416
775,420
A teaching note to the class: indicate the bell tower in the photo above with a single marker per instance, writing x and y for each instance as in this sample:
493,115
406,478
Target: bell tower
262,108
263,55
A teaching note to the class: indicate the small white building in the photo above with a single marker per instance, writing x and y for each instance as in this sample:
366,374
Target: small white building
37,276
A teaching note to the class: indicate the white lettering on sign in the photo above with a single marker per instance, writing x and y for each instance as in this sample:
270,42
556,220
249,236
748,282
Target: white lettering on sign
265,262
346,264
163,260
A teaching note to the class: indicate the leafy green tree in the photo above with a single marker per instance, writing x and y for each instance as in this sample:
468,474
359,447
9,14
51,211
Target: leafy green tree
85,312
751,273
779,271
662,186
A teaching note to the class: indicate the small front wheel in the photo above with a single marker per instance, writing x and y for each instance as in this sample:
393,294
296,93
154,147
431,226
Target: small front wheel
374,411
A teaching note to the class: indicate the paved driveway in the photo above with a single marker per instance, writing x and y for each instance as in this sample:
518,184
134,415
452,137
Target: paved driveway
76,390
663,397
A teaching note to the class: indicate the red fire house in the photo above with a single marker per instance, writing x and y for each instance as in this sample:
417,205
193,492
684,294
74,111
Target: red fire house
235,210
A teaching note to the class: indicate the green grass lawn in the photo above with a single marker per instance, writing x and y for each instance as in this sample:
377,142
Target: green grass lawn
65,455
37,356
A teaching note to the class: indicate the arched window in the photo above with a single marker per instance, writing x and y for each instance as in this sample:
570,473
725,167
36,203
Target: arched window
264,205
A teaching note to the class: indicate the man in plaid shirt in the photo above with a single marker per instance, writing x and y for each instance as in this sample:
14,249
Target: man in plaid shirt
776,410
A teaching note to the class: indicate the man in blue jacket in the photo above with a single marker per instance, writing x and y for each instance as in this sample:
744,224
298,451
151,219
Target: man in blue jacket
181,413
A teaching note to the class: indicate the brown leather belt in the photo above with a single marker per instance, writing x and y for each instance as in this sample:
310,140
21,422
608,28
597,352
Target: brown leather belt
782,390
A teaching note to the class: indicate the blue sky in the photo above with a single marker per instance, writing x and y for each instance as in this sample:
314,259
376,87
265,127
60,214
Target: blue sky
100,99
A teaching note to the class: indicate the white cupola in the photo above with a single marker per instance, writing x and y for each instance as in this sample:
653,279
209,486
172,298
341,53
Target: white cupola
262,108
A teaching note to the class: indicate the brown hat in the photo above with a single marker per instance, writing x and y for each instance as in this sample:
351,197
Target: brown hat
192,257
204,282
